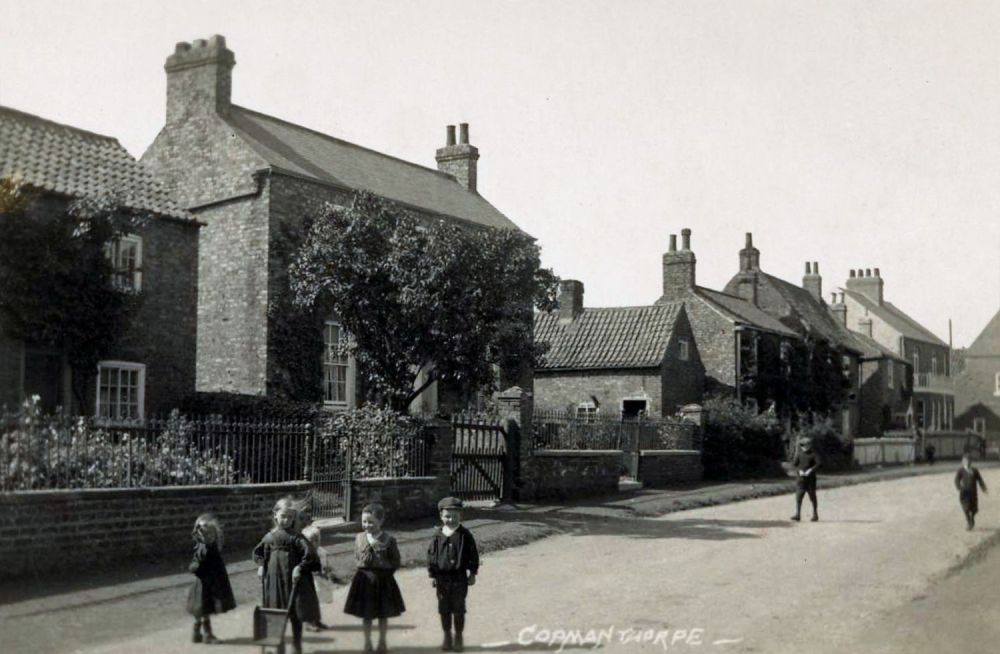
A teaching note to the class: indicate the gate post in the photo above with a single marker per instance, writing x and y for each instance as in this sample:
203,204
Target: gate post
439,465
516,407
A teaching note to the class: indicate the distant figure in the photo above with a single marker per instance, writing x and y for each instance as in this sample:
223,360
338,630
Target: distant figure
806,461
929,451
968,481
211,593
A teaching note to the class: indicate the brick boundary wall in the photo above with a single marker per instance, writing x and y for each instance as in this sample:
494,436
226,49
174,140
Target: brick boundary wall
48,531
659,468
566,474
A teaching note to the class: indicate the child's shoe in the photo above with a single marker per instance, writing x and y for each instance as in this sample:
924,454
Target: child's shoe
447,644
459,645
196,634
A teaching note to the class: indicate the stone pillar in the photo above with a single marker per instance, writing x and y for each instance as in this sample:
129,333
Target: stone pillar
439,465
516,407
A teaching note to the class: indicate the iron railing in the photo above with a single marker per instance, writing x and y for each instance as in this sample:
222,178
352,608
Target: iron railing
562,430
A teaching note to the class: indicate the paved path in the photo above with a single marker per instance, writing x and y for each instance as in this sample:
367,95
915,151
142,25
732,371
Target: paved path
733,578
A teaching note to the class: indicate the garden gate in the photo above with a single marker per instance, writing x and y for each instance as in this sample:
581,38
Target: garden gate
479,463
330,474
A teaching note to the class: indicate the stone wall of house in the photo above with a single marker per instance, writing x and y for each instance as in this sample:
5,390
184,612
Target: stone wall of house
716,342
559,390
564,474
659,468
84,529
683,382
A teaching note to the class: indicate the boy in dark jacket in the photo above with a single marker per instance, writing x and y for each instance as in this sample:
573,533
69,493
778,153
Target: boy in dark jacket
805,463
452,562
967,479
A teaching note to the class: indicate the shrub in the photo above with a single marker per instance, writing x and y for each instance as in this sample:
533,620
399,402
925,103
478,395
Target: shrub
243,407
382,441
739,443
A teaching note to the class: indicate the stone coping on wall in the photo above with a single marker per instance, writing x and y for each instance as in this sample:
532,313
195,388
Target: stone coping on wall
577,452
886,440
147,491
669,452
372,481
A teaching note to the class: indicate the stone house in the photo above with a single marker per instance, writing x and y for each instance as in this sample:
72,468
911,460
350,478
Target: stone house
153,364
252,179
868,312
802,309
977,386
725,326
617,361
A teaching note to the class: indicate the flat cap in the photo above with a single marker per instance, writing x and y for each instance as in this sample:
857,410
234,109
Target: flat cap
449,503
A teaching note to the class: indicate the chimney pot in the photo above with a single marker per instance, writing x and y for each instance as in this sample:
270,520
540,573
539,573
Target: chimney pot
815,267
450,138
868,272
877,274
673,242
749,241
685,239
808,268
463,133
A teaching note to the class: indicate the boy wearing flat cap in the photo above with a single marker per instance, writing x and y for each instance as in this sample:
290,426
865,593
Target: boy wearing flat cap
805,462
452,562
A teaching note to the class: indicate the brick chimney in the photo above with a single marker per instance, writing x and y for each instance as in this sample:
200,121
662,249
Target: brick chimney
867,284
570,300
678,268
199,78
749,256
838,308
459,159
812,281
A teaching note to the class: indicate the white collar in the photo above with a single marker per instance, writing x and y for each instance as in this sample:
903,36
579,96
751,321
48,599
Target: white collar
448,531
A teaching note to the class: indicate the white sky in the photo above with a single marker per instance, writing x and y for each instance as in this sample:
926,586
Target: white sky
856,134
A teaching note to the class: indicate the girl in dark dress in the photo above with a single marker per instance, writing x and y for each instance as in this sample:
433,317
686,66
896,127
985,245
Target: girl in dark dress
211,592
283,556
374,592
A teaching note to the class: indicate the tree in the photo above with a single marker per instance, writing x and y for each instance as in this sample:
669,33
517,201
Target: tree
423,297
56,284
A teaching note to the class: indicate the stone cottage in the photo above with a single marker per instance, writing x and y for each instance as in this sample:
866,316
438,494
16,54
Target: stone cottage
252,179
727,328
153,365
868,312
616,361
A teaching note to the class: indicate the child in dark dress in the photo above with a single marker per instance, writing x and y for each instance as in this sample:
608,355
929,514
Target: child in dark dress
307,600
374,592
452,562
968,481
805,462
283,556
211,592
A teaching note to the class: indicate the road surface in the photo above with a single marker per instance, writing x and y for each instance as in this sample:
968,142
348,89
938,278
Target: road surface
733,578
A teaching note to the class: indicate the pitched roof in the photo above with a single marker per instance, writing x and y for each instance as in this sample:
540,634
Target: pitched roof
811,314
895,318
872,349
617,337
70,161
328,160
988,341
740,311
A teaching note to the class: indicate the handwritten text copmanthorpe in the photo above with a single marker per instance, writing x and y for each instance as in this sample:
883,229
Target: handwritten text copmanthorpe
559,639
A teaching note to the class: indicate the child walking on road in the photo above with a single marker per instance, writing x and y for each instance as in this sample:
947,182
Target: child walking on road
805,463
283,556
374,592
452,562
211,592
968,481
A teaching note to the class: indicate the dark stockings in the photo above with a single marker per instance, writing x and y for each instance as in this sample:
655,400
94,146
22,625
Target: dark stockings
799,494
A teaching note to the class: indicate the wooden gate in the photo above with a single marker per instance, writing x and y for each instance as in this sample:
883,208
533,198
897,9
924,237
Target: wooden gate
330,473
479,463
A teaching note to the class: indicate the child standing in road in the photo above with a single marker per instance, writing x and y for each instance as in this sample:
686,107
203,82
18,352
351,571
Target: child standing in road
211,592
452,562
283,556
374,592
968,481
805,462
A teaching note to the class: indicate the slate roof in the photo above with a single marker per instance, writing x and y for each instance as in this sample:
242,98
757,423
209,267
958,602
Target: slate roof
301,151
740,311
69,161
872,349
988,341
896,319
617,337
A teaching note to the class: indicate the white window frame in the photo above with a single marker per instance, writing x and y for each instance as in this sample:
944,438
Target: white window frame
349,373
586,411
140,389
979,425
890,372
112,251
683,349
934,364
996,384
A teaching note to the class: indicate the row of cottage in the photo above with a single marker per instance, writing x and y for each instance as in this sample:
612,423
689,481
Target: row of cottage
225,186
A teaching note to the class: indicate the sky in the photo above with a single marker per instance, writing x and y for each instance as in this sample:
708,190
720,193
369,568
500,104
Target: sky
852,133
